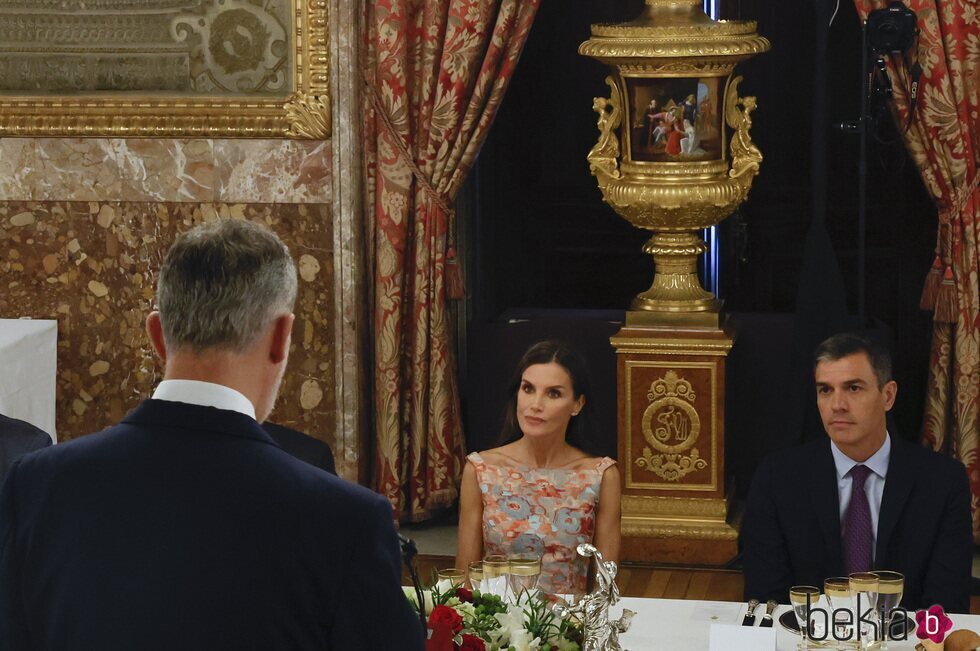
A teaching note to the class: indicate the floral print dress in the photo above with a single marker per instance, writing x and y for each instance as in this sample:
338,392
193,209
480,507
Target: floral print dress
548,511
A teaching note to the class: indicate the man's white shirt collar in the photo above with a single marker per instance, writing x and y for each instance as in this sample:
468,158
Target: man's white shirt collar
877,462
204,394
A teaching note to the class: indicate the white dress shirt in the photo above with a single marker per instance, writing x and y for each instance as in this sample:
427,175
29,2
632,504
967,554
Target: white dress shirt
204,394
874,485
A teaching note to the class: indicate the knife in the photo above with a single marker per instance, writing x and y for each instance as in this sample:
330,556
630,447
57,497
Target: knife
767,618
749,618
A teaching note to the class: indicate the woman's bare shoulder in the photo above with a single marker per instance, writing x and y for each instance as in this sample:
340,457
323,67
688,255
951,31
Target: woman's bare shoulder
585,462
505,455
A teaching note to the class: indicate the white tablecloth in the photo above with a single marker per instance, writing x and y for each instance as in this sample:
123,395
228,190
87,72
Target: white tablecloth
683,625
28,364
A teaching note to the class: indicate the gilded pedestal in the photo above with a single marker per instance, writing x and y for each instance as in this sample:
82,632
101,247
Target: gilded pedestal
674,156
671,384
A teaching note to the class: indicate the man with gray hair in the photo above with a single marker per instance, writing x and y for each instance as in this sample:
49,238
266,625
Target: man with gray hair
185,526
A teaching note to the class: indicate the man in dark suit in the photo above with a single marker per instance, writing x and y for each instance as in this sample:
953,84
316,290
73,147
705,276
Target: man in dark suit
860,499
185,526
17,438
302,446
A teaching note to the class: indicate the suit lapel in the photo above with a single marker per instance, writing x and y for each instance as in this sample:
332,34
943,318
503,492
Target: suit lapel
826,503
898,485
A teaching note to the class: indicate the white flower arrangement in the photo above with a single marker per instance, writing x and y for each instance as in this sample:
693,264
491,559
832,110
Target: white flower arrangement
528,623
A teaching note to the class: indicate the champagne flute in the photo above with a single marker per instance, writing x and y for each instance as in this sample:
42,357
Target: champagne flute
496,569
524,572
475,575
803,598
837,589
891,585
864,586
454,575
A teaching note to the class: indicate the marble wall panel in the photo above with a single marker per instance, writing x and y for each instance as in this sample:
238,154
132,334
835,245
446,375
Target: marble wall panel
169,170
92,266
59,168
253,170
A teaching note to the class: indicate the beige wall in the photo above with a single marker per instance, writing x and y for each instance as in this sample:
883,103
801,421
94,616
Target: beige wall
84,224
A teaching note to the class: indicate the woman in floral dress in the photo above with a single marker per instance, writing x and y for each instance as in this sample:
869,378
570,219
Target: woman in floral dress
540,492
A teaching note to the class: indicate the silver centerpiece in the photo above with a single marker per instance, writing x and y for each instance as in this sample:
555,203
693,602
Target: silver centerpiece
599,634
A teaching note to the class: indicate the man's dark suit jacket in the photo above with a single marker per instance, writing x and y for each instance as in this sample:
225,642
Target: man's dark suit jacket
17,438
187,527
791,533
302,446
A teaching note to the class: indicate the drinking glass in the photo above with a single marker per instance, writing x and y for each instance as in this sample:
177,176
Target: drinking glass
837,589
864,587
799,597
476,575
890,588
496,569
524,572
454,575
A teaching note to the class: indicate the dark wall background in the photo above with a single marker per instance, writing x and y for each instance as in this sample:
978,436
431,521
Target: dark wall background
540,242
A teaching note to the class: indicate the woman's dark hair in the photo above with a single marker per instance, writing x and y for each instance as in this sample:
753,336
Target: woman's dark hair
579,429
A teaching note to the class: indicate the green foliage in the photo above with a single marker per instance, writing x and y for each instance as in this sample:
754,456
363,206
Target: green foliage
485,606
542,622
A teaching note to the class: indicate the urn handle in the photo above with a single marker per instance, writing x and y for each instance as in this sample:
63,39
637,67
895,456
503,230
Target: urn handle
745,155
604,157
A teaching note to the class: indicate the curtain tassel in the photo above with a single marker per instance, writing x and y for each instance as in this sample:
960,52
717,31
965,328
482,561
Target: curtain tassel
931,288
946,310
454,276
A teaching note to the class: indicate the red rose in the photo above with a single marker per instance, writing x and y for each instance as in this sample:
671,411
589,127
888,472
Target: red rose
446,616
464,595
440,639
472,643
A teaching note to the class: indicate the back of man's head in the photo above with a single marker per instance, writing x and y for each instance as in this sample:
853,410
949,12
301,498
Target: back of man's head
221,285
850,343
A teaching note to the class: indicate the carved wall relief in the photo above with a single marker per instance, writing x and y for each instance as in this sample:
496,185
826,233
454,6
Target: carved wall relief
241,68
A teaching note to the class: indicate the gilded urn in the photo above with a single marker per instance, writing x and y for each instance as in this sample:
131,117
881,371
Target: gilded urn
665,160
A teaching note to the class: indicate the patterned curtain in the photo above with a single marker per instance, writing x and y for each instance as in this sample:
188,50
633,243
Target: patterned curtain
944,141
435,72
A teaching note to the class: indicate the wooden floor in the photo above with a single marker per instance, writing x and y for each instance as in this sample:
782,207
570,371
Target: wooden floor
652,582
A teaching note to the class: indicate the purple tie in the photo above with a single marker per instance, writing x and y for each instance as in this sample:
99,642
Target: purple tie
857,524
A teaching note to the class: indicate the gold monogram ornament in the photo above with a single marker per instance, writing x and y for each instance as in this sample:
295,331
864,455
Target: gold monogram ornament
671,426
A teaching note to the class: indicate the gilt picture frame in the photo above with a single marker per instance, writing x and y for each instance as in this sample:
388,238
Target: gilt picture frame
165,68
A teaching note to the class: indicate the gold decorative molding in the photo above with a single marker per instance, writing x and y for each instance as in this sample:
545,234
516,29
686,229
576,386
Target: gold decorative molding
648,516
603,157
667,68
309,117
700,52
657,528
677,346
684,204
674,170
673,466
687,507
712,32
711,47
746,157
300,110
